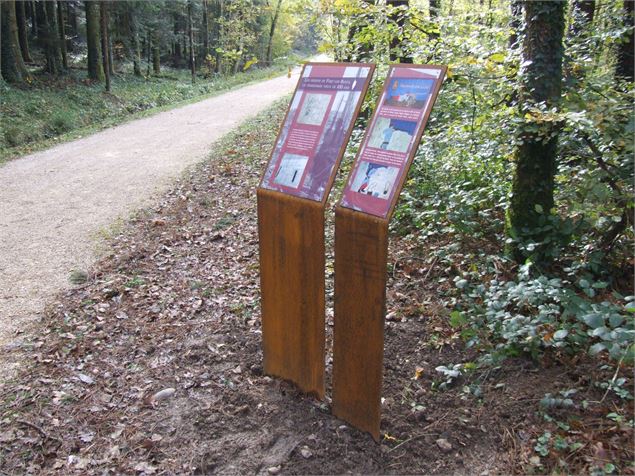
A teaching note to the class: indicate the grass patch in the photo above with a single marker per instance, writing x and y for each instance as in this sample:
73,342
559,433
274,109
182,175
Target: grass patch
54,110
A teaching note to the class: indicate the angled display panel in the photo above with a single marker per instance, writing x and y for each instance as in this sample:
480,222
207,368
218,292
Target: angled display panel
392,138
316,129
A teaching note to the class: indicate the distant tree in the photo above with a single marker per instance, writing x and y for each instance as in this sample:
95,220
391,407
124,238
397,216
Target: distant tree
95,67
625,64
541,84
515,22
399,16
434,9
12,65
272,30
23,33
156,51
62,33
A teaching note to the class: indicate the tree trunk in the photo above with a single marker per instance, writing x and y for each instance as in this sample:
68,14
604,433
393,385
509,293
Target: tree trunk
23,36
62,32
533,184
11,63
625,65
272,31
191,35
399,18
156,53
95,68
105,44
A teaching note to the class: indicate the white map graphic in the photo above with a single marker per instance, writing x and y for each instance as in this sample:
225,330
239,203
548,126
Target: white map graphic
314,109
291,169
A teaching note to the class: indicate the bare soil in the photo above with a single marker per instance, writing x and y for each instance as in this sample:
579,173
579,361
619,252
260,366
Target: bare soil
57,203
154,365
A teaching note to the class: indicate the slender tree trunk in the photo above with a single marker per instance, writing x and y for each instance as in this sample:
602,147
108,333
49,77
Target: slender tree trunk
62,32
12,65
105,46
625,65
191,35
272,30
399,18
205,29
95,68
533,184
156,53
148,52
22,30
134,38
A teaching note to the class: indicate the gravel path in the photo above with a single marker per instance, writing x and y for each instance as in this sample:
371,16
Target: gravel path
55,203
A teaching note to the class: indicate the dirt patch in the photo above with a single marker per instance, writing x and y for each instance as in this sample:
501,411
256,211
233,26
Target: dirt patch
154,365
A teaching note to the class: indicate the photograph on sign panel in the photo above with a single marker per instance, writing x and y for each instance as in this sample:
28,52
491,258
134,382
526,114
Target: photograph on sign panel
407,92
376,180
392,134
314,109
334,134
291,169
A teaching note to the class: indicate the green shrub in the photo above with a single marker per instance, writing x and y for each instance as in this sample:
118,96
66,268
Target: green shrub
61,122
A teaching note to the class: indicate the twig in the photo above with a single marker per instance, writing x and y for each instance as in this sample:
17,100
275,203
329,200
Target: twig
421,435
617,370
39,430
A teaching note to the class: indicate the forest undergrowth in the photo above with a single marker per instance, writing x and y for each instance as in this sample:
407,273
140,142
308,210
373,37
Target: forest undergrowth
153,364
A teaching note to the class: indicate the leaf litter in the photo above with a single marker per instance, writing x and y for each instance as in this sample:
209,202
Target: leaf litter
154,365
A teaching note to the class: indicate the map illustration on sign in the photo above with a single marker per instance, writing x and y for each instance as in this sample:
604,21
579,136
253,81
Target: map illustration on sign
316,129
392,138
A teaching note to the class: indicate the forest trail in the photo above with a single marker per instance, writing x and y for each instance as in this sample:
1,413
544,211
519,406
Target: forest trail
55,203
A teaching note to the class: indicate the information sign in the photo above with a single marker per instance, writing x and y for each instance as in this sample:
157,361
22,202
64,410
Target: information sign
316,129
392,138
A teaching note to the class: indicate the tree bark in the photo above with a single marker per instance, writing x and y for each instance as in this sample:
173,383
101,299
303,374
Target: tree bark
272,30
399,18
12,65
23,36
62,33
625,65
95,67
533,184
191,37
105,44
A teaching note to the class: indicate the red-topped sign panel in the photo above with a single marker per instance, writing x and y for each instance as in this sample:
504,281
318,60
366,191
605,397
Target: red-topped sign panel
392,138
315,131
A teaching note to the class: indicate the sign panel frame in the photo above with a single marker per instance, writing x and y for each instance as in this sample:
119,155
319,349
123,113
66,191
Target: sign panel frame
292,142
397,125
291,232
361,254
